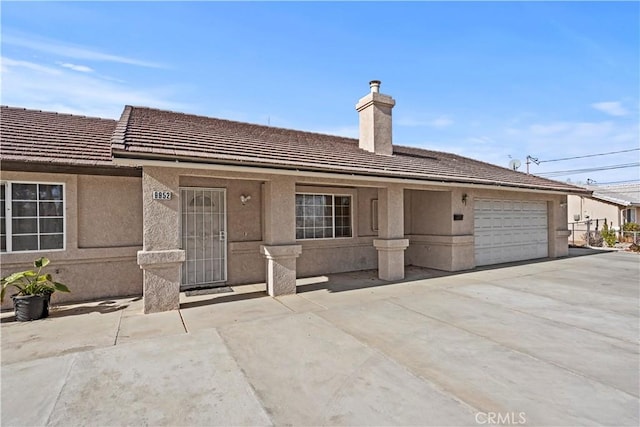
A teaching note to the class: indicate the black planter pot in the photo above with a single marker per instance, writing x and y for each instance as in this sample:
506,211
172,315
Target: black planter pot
46,303
30,307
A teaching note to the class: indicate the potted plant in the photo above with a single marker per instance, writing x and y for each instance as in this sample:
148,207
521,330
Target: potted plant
34,291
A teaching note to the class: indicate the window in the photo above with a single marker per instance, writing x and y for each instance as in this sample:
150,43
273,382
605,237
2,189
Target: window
32,216
323,216
374,215
629,215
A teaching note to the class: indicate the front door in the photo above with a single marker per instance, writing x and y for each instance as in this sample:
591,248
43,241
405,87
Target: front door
203,237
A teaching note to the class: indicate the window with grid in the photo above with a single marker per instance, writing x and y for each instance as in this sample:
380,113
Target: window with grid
323,216
32,216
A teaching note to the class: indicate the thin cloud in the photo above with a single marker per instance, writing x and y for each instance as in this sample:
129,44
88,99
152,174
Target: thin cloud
9,64
72,51
548,140
613,108
439,122
31,85
479,140
75,67
345,131
572,130
549,128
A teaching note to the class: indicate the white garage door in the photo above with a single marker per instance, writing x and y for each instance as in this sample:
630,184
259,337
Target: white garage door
510,230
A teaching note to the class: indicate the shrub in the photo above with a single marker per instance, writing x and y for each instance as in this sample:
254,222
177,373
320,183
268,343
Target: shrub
595,239
631,226
608,235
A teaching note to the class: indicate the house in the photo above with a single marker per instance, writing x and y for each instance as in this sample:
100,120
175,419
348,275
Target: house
617,204
625,196
159,201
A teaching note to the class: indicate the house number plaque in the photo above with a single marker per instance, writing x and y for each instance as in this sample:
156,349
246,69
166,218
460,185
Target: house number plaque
162,195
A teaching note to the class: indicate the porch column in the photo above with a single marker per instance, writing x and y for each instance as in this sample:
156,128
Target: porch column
391,243
557,224
161,257
280,248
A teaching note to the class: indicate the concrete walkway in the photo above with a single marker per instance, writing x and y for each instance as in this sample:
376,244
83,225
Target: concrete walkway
546,343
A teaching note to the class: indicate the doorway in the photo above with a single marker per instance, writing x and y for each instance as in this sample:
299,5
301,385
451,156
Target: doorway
203,235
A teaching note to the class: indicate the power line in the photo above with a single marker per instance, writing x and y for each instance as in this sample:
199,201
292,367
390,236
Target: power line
576,171
589,155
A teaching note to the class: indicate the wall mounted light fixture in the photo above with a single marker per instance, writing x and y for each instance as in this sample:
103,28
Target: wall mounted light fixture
244,199
464,198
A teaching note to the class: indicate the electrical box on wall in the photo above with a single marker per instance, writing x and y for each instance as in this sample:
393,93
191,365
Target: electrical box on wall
457,217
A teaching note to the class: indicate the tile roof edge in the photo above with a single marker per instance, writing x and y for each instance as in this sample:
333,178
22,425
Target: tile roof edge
447,154
58,161
169,158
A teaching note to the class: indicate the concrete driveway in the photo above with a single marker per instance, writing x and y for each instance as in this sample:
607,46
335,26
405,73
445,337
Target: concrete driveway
547,343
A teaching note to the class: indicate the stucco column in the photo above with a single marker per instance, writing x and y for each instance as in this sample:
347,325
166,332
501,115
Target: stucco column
161,257
391,243
280,248
557,226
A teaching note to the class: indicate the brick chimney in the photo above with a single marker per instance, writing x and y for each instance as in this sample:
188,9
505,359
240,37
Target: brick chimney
375,121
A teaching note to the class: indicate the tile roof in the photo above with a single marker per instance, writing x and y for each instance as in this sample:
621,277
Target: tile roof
45,137
622,194
156,134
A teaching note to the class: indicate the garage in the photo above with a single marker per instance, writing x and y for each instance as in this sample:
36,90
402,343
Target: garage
510,230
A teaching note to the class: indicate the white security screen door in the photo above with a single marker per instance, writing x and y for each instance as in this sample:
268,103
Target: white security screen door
204,237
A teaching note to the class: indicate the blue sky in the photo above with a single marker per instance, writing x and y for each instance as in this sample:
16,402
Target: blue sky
491,81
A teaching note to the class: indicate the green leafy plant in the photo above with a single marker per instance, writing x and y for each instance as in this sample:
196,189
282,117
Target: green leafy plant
608,235
631,226
33,282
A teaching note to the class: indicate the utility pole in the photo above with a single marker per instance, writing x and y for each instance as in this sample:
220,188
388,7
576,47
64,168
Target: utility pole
531,159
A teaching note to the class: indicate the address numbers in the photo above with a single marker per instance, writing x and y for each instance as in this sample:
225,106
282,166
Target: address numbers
162,195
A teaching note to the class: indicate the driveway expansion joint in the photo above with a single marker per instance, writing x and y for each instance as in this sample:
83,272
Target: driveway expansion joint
519,351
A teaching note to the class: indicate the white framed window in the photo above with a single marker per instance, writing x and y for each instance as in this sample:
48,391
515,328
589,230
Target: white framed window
323,216
32,216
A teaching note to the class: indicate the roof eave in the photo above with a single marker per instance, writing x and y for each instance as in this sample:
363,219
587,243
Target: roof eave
129,158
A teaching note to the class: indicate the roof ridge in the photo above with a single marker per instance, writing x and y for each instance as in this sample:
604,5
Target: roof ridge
120,131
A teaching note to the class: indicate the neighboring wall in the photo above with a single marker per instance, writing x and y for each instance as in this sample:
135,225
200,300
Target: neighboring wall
103,234
584,208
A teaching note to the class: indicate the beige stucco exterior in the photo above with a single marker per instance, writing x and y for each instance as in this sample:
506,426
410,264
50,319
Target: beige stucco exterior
120,241
103,227
375,119
581,208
